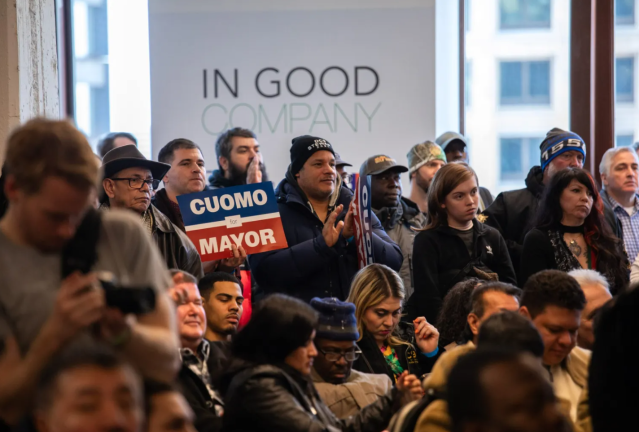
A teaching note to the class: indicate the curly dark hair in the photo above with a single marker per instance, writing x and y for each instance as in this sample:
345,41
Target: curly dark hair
611,257
452,317
552,287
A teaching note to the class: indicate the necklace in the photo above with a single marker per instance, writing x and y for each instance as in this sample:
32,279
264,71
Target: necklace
574,248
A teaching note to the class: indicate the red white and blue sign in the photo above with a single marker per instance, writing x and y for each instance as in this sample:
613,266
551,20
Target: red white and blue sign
245,216
362,212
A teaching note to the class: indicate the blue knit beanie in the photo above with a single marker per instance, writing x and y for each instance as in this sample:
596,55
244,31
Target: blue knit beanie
336,319
559,141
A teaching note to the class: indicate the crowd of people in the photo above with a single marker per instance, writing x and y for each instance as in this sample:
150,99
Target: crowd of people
509,314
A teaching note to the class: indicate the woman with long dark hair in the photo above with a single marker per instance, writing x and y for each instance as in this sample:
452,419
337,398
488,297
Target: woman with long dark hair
267,386
570,232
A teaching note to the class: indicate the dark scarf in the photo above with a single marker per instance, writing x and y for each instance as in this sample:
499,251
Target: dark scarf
218,181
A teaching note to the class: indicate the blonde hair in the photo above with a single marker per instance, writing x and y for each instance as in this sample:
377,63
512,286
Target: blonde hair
372,285
446,180
42,148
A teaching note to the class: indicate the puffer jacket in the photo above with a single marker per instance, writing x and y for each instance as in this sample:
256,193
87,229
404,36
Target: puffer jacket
270,398
176,248
513,212
400,224
309,267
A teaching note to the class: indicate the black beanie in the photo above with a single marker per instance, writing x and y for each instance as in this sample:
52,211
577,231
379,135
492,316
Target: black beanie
302,149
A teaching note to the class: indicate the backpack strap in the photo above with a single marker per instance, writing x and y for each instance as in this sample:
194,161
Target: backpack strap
80,253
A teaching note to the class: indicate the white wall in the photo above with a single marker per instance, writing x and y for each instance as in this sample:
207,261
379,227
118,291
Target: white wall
396,39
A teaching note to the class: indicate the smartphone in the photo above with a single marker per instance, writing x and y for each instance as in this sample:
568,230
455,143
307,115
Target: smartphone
129,300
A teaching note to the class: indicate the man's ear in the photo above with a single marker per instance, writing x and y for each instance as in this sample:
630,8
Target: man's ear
604,179
523,311
223,162
11,189
109,187
473,323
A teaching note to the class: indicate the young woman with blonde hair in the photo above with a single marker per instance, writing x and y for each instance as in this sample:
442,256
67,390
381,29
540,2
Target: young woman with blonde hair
389,346
454,245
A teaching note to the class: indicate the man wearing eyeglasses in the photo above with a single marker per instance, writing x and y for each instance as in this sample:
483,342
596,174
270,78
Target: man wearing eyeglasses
344,390
128,179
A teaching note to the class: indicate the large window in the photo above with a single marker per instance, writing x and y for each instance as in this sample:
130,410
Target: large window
468,76
625,79
518,156
625,12
624,140
524,82
91,53
110,67
517,14
520,85
626,51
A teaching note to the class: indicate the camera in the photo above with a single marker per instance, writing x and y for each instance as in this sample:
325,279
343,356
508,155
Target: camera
128,299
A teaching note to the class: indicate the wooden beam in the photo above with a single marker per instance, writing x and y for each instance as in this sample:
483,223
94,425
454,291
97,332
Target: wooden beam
604,82
592,97
462,67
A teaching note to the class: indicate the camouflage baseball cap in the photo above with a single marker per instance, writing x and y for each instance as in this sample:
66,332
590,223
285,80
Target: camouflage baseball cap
423,153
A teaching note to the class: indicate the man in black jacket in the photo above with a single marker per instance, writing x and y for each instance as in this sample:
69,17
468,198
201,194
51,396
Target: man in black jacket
399,216
201,359
513,212
128,178
321,259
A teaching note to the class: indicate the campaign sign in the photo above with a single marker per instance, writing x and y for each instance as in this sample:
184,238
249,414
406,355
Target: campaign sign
361,206
246,216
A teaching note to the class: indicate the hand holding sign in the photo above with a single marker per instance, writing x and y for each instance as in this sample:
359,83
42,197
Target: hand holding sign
239,256
227,224
348,230
331,231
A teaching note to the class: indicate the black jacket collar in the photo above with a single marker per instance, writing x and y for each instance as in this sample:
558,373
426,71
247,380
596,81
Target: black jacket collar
535,181
160,221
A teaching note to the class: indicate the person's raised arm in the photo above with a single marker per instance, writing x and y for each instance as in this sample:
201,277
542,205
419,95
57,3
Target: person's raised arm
149,341
78,305
296,263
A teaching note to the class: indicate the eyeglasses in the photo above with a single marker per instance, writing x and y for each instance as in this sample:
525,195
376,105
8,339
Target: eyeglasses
334,356
137,183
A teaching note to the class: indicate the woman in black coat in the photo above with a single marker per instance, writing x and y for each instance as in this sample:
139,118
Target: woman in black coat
571,233
267,386
454,246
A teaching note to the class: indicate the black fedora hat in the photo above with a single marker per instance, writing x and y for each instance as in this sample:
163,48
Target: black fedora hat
129,156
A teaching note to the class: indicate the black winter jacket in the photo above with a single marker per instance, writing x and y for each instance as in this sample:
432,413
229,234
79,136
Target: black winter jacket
441,258
372,360
196,393
513,212
176,248
308,267
269,398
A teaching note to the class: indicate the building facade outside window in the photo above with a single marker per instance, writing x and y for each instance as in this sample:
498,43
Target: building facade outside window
518,14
